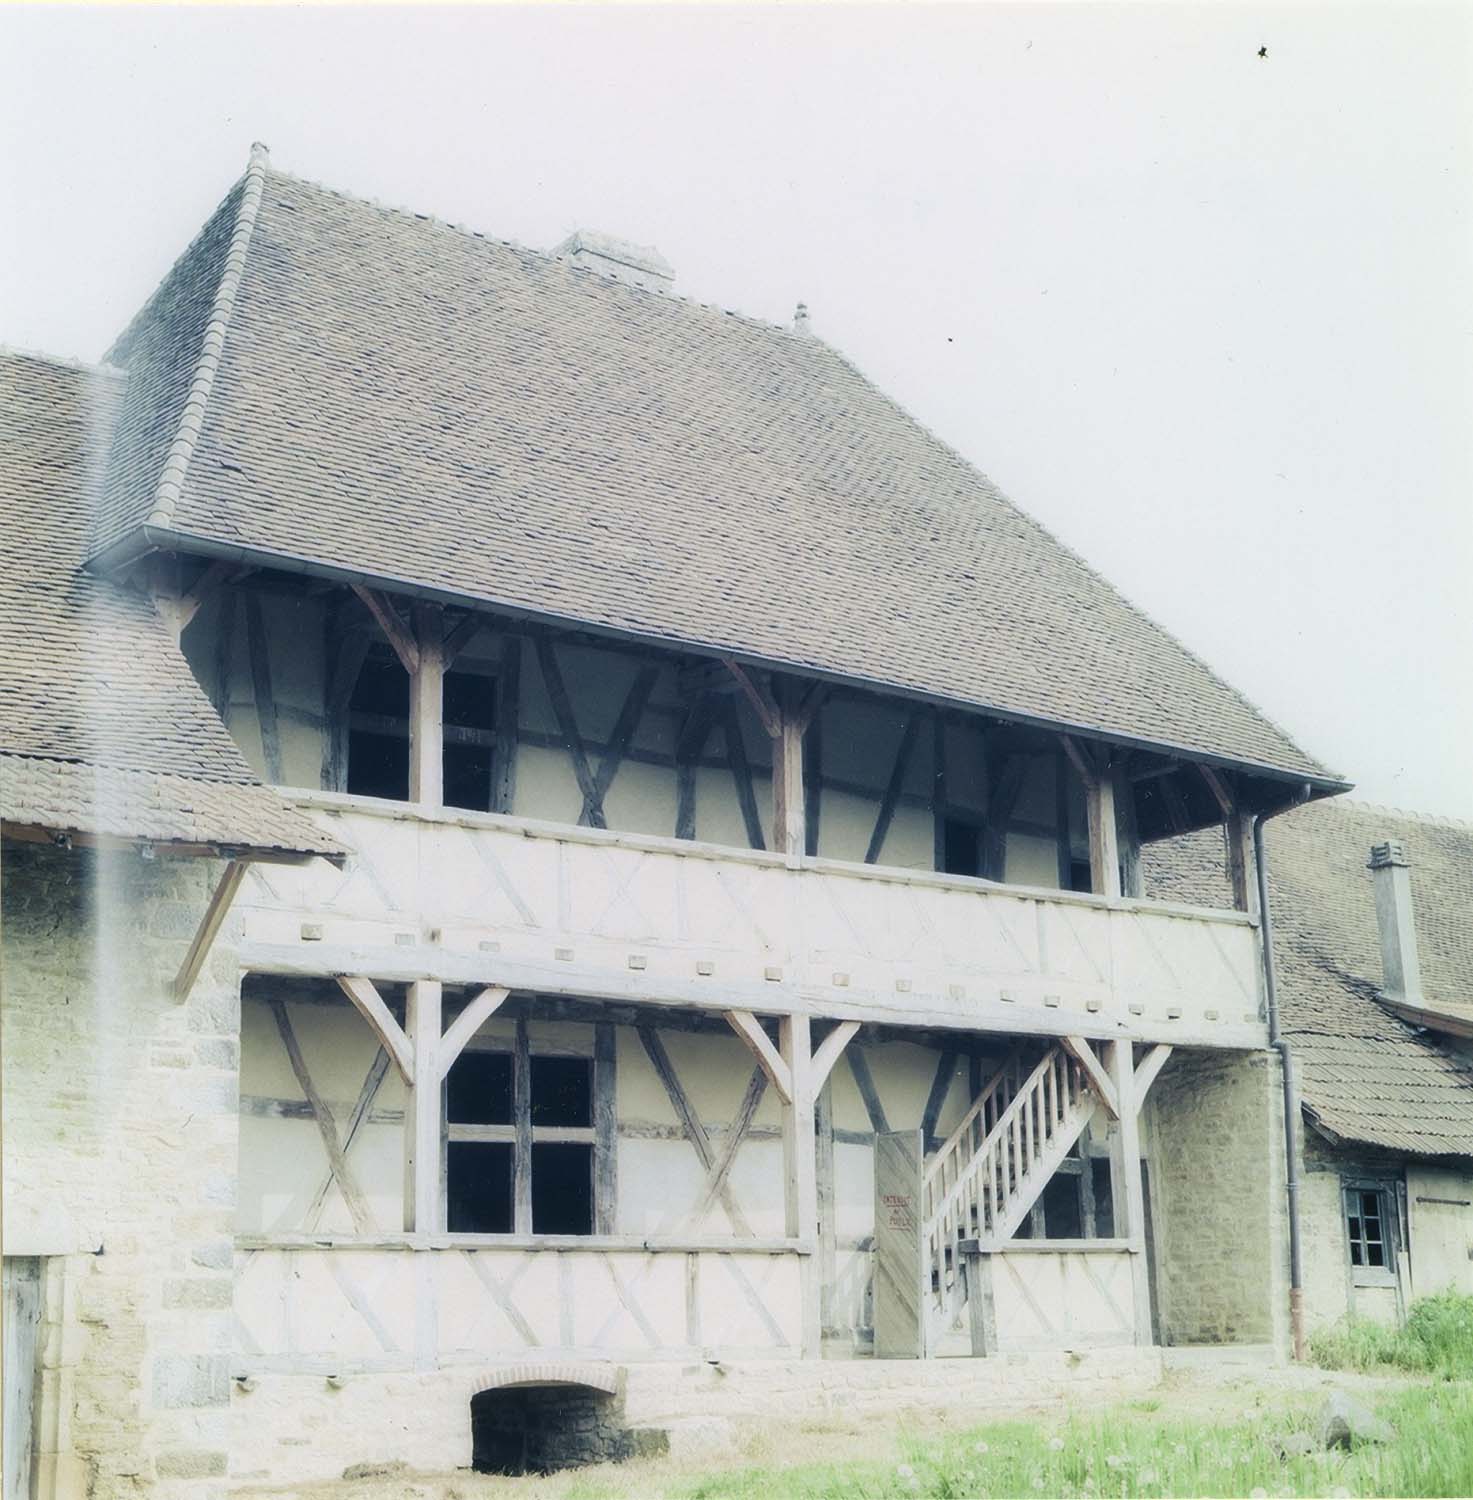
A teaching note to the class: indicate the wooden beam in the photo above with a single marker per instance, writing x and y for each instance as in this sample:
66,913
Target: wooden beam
363,1220
521,1103
216,910
761,700
508,718
1130,1201
823,1127
398,634
261,688
1002,798
939,806
605,1128
812,785
1079,1049
1063,844
694,733
462,634
349,648
623,732
567,721
826,1054
800,1169
695,1131
1221,789
741,773
936,1099
1147,1070
477,1012
893,787
364,994
224,657
1241,863
364,1103
1079,759
1132,881
769,1059
789,820
740,1128
423,1206
427,709
1104,846
864,1081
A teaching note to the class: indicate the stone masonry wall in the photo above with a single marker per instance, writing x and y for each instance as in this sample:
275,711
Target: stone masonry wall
1218,1201
120,1166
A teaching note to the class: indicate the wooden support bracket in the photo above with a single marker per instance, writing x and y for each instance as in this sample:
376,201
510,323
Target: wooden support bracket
363,993
461,635
760,698
749,1028
209,928
1148,1069
478,1011
1080,760
1080,1050
391,622
1220,789
827,1053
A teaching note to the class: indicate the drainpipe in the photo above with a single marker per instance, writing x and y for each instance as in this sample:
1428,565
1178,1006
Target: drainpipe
1280,1044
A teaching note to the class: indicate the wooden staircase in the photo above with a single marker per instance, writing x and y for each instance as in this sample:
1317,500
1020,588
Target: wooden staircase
990,1171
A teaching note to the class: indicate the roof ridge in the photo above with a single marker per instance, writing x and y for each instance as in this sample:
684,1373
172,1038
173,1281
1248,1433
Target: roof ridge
181,450
61,361
435,221
1083,562
1408,814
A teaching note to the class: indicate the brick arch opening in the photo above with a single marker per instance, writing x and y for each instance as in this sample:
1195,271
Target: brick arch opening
542,1418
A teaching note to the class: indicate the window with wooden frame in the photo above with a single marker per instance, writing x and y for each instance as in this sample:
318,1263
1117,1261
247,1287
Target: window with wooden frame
1370,1225
520,1144
378,732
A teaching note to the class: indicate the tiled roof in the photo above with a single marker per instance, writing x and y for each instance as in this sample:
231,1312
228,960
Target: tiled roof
103,729
1365,1075
370,391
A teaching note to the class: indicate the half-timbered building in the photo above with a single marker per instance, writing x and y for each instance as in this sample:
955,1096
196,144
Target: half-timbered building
562,850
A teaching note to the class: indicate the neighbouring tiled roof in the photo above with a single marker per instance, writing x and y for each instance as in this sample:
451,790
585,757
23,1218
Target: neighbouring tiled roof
103,729
1365,1075
370,390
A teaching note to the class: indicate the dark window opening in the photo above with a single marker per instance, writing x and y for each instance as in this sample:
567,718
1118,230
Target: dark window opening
962,847
1366,1218
484,1119
562,1188
1104,1198
562,1091
1080,878
478,1091
378,733
1061,1209
478,1196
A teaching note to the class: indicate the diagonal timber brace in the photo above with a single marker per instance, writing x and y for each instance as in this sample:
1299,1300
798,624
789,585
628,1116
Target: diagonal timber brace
209,928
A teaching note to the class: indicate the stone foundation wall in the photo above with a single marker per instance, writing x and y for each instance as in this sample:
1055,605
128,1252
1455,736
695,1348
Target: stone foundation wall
294,1428
120,1166
1218,1201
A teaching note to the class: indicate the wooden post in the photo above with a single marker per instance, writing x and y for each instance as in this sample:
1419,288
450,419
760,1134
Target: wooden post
1130,1200
423,1208
606,1129
508,711
800,1166
1128,833
1242,869
521,1094
789,822
427,709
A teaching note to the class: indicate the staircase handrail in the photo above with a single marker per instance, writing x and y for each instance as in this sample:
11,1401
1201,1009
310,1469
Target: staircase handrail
978,1104
983,1151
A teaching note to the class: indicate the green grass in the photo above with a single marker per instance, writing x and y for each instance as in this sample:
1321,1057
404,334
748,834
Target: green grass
1125,1452
1437,1340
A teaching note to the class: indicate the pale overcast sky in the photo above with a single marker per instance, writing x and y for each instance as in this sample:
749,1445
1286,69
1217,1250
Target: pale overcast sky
1207,314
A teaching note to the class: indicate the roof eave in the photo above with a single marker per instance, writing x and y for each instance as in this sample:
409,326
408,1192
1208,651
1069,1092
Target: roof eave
150,538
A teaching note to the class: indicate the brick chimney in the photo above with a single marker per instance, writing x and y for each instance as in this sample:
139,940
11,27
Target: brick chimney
620,260
1391,872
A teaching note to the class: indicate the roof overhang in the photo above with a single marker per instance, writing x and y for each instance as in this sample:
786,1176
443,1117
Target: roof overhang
1458,1023
80,838
146,539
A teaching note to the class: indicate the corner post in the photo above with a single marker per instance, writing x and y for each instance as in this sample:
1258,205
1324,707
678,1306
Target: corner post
1129,1191
422,1205
800,1167
427,708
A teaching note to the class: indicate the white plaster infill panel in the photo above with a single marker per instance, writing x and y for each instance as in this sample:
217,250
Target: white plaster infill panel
482,899
345,1312
1063,1299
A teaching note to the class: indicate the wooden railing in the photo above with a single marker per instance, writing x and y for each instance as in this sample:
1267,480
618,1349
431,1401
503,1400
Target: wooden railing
982,1191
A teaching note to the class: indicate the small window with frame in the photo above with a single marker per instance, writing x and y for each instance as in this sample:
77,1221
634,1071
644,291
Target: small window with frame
1370,1226
486,1112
